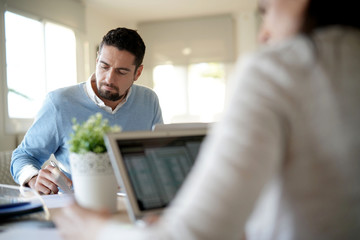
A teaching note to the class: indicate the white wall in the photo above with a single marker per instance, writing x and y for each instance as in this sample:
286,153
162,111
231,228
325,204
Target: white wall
246,32
97,25
6,141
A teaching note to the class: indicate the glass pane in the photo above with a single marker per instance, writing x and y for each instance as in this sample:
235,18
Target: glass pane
194,93
25,65
40,57
170,86
60,47
206,90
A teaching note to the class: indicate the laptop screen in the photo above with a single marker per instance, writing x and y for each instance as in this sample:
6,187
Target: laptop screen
151,166
157,167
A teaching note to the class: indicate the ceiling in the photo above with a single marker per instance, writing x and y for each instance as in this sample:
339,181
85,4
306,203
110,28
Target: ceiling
150,10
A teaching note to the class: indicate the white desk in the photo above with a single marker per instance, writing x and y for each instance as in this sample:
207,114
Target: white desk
39,226
121,214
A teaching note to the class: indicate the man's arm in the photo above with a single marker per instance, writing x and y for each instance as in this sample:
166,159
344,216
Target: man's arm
40,141
158,113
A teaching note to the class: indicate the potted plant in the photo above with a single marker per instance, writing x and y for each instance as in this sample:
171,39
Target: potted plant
92,174
88,137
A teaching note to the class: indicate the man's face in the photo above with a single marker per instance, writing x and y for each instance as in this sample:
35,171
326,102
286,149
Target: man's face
281,19
115,73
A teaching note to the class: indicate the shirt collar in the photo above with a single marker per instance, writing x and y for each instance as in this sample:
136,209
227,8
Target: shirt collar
91,94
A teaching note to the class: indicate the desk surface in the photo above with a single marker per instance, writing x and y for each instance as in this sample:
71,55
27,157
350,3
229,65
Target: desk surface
39,226
121,214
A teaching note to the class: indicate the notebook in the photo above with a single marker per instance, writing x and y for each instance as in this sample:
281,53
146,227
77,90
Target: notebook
150,166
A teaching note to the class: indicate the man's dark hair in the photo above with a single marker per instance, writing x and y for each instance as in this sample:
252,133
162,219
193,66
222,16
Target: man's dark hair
125,39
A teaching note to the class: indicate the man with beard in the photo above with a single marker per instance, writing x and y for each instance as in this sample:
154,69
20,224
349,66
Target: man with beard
109,91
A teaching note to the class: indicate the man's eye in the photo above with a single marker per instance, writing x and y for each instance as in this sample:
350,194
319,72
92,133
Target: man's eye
103,66
122,72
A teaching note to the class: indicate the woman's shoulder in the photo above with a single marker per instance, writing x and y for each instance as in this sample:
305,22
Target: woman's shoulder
278,66
278,63
295,52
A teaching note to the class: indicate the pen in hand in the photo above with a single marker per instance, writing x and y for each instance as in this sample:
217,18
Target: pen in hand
59,179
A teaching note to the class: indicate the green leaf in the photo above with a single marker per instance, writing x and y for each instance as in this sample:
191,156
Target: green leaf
89,136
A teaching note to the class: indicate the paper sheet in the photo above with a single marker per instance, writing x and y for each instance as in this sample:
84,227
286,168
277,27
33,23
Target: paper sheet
58,200
30,234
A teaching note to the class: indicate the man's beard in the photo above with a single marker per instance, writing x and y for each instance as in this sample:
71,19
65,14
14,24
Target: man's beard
110,95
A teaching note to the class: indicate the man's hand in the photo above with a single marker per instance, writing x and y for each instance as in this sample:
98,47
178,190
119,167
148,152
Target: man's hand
45,182
75,222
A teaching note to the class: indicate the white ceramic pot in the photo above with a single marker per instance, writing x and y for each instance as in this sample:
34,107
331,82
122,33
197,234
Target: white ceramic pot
94,181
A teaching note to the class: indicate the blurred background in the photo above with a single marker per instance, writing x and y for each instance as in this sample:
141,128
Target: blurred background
192,46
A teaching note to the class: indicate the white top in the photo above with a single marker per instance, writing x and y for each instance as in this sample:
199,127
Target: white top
284,161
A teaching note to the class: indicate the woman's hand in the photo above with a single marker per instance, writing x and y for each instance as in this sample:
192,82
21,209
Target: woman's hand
75,222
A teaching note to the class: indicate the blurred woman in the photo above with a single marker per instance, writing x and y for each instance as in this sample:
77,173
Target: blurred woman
284,161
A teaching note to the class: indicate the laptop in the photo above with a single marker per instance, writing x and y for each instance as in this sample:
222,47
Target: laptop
150,166
181,126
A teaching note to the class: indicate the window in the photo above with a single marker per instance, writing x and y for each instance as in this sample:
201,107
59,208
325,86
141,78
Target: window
193,93
189,59
40,57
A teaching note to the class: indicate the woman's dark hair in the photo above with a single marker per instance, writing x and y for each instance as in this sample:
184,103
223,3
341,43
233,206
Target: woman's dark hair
323,13
125,39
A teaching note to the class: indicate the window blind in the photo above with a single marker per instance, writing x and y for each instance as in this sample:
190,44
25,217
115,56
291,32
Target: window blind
187,41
